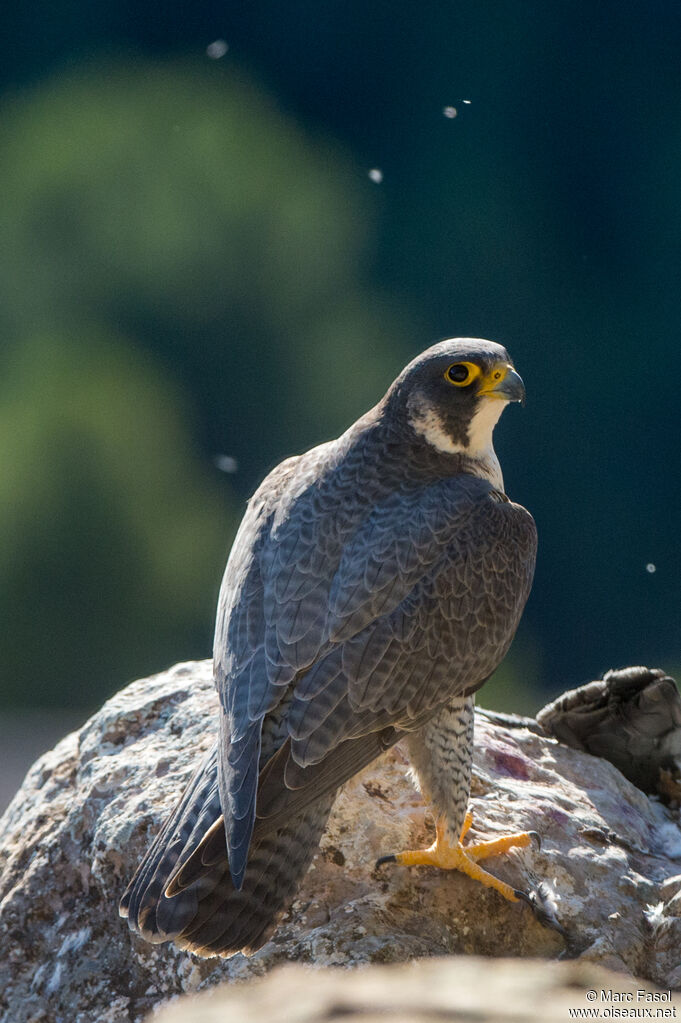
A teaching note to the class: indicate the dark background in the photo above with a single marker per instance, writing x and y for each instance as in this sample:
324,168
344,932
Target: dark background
195,264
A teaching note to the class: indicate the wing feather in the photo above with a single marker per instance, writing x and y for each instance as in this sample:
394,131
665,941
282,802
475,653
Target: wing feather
344,613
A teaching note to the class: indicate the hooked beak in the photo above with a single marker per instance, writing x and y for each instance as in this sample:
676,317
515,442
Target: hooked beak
505,384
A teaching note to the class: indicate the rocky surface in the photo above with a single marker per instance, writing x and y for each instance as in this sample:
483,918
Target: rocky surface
611,857
456,989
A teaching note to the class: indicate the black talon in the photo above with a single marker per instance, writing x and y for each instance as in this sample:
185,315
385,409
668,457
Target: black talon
536,837
385,859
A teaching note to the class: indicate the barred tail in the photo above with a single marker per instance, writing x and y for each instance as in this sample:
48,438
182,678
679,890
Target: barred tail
183,891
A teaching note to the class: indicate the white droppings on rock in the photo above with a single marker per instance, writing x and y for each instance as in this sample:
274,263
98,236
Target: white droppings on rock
38,977
54,982
75,941
654,914
669,837
670,886
673,907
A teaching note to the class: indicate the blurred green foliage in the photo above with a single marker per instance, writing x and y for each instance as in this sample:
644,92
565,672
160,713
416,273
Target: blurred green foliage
113,532
186,212
191,268
154,209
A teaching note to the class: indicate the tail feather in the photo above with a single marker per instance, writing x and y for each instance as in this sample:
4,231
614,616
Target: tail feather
243,921
178,838
209,853
183,890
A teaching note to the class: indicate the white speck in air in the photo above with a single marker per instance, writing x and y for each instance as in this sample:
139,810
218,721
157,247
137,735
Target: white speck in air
376,175
226,463
651,568
466,101
450,112
218,48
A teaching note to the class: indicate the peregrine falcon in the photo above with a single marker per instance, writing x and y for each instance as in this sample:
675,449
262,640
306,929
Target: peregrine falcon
375,583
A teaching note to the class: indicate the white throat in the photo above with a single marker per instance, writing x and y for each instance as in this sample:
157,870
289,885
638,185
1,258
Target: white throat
480,448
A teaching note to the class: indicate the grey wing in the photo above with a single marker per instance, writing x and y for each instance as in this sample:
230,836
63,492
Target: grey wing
367,619
241,676
269,626
422,608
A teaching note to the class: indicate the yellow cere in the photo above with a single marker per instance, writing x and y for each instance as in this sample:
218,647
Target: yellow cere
492,379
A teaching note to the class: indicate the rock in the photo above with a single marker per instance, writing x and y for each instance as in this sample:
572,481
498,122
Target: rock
632,717
455,988
71,838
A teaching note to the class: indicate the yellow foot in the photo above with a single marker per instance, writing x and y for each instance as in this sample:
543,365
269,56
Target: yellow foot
457,857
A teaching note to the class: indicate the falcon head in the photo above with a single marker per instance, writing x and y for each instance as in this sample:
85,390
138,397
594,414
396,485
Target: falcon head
453,394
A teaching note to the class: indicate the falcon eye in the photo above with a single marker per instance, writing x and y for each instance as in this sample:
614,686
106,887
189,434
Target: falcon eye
458,374
462,373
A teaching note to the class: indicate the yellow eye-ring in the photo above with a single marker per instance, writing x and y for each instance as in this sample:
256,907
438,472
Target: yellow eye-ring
461,374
